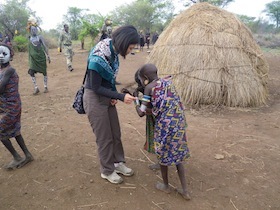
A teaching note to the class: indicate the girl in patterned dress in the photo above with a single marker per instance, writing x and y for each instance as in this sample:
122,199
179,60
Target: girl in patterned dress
10,109
170,140
150,122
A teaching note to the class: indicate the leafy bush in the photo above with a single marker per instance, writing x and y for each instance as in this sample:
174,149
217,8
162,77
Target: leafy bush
20,43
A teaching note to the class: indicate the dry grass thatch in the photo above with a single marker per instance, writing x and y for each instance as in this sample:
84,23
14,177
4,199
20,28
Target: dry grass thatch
213,58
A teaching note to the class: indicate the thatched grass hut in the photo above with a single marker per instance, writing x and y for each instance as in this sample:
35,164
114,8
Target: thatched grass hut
213,58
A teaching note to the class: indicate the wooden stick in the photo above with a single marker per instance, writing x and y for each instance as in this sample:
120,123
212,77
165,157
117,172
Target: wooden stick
136,130
129,184
36,181
52,133
128,187
46,148
135,159
217,132
210,189
95,204
85,173
157,205
91,155
144,187
233,204
147,156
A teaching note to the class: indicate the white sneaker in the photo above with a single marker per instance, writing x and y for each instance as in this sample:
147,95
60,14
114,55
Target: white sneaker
113,178
122,169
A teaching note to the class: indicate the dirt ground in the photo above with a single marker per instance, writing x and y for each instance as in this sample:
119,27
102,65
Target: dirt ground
65,173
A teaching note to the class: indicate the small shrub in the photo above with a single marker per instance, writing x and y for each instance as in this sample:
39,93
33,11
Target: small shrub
20,43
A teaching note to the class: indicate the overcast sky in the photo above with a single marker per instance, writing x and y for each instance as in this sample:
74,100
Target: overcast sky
52,11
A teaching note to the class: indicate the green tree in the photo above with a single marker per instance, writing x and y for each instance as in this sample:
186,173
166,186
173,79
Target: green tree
249,22
272,10
144,14
91,27
14,15
74,18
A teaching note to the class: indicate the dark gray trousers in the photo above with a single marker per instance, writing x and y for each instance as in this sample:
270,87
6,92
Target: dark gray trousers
104,121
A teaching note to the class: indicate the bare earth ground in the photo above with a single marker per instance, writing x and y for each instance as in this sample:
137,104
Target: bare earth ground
65,173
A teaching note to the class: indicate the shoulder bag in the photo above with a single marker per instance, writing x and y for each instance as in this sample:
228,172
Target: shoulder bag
78,100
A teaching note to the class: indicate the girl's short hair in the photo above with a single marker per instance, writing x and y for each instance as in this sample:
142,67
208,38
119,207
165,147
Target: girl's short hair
123,37
137,80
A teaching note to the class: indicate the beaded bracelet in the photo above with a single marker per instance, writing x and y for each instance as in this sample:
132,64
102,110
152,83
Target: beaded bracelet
146,98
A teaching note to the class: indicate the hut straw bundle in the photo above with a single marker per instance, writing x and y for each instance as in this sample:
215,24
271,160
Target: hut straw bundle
213,59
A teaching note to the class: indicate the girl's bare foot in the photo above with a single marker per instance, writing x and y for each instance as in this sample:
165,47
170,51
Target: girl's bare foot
27,159
185,195
14,163
154,166
163,187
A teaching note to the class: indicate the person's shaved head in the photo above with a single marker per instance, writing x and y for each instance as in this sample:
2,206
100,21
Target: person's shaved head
148,70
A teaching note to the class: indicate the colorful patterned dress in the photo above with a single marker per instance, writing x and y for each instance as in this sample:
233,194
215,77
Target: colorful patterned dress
10,108
170,124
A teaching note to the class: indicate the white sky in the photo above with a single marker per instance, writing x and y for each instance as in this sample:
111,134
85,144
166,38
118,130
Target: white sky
52,11
252,8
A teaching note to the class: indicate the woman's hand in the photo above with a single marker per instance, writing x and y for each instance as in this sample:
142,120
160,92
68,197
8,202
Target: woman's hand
128,99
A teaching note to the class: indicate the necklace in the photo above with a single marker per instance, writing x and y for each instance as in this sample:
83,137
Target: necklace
34,41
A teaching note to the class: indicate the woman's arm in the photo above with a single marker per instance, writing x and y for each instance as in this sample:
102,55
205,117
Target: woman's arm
7,74
96,81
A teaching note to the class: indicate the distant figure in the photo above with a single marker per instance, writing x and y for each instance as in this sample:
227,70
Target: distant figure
7,39
10,110
82,44
147,39
141,40
106,29
37,53
155,37
1,37
65,43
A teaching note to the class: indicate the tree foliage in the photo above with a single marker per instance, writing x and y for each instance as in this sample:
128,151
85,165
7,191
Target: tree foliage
272,10
14,15
257,25
91,26
144,14
74,18
21,43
